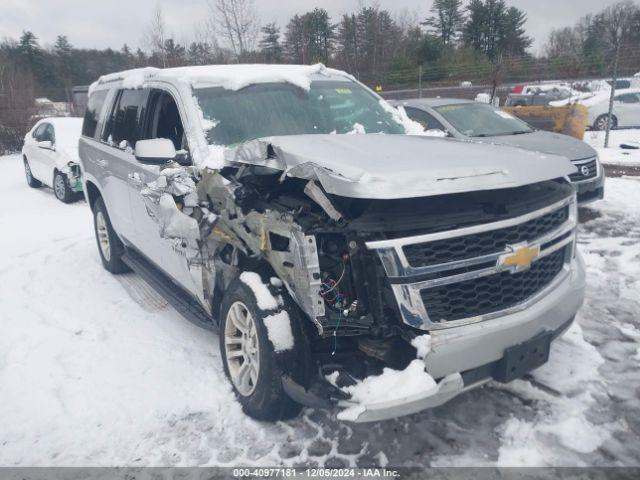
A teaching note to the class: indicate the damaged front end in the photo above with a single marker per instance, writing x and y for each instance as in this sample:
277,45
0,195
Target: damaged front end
331,234
74,176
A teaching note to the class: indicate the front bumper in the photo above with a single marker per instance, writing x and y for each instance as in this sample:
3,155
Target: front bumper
464,357
591,190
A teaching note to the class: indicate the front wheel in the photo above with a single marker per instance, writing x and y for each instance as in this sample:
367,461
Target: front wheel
260,346
109,245
31,181
62,189
602,121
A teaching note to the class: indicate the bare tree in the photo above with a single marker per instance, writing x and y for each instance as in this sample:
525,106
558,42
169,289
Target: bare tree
237,22
17,93
156,35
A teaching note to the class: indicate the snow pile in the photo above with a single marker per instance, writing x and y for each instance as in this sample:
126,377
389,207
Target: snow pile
422,344
278,325
567,422
411,127
133,78
279,331
388,386
435,132
615,154
231,77
358,128
264,298
483,97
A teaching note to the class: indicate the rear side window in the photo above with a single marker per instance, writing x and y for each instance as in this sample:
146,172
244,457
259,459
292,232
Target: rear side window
425,119
628,98
124,126
92,113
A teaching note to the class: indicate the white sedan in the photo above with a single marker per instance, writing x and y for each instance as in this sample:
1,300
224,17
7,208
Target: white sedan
626,108
50,156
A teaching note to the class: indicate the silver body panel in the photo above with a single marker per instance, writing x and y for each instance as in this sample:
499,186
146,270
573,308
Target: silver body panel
357,166
400,166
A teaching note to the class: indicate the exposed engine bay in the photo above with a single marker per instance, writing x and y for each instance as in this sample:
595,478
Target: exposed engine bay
253,217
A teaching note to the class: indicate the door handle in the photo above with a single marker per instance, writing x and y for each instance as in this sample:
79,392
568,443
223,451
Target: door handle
134,179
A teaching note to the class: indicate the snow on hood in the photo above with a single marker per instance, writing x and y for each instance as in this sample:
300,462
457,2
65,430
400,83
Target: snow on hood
399,166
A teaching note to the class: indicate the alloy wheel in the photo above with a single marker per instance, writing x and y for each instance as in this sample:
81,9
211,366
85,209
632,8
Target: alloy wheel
242,348
27,172
103,236
59,187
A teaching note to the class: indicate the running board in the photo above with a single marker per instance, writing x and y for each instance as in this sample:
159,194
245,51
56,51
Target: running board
184,303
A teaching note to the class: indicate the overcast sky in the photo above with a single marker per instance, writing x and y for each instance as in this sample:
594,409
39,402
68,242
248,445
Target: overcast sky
110,23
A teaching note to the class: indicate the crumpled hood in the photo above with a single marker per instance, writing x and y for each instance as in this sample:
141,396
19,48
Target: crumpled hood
547,142
399,166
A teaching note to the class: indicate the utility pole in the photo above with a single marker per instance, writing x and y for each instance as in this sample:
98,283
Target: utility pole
613,85
420,81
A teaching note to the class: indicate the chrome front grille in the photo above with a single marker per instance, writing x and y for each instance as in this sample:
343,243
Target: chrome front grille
483,243
482,295
470,274
587,169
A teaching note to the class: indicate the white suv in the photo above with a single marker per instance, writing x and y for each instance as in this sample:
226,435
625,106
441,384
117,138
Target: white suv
287,207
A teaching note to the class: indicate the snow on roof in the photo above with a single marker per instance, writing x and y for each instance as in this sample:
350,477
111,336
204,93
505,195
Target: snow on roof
231,77
589,99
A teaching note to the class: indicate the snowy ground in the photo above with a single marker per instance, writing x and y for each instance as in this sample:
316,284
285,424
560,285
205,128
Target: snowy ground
614,155
98,370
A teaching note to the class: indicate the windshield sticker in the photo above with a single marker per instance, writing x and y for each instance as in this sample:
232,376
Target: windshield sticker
343,91
504,114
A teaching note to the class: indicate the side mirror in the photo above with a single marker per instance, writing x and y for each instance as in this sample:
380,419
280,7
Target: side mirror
46,144
155,151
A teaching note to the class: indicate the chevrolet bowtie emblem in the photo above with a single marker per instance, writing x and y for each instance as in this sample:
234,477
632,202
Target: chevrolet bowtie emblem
521,257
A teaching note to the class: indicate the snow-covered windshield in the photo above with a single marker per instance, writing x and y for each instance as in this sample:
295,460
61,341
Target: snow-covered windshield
482,120
263,110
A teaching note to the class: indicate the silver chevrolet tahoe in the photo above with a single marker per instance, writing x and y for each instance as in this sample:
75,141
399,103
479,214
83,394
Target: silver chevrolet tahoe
288,208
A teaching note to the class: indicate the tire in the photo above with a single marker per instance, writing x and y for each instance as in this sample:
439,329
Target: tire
264,397
601,122
110,246
31,181
62,189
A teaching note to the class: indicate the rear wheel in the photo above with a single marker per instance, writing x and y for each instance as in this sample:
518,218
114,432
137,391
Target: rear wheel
250,358
602,120
62,189
31,181
109,245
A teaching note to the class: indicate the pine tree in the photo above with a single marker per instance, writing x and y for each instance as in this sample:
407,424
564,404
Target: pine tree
199,53
347,43
319,33
175,53
64,63
269,45
294,44
446,21
493,29
513,39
